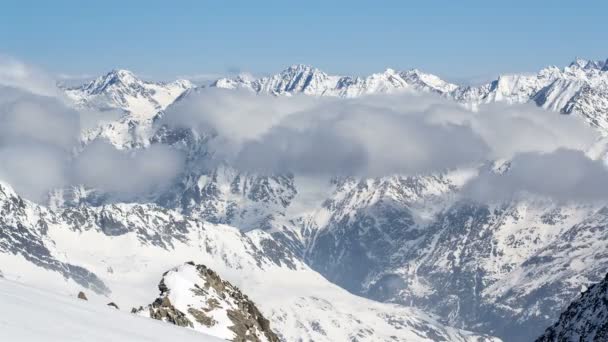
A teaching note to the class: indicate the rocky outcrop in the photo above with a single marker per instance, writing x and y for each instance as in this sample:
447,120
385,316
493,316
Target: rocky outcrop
195,296
586,319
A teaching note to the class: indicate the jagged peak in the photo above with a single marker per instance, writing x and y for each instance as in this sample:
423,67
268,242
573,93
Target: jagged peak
121,72
300,66
413,71
124,75
390,71
588,64
184,83
113,77
579,62
300,69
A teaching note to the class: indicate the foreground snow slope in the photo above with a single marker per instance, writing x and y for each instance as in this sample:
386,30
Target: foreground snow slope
30,314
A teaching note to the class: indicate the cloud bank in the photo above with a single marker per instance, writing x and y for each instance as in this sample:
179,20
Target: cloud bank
398,134
371,136
564,175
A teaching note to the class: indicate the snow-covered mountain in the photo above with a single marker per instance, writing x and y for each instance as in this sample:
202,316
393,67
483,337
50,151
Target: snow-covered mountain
308,80
138,100
116,253
586,319
121,89
578,88
581,87
503,268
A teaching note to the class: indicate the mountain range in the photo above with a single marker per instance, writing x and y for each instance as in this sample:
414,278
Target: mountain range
394,258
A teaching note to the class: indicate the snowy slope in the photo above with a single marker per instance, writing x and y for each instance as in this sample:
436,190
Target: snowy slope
31,314
579,88
125,248
502,268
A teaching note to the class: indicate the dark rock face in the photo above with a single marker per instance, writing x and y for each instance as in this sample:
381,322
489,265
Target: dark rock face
209,295
586,319
162,310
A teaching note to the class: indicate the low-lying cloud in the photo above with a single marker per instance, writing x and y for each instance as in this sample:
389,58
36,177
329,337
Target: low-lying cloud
564,175
372,136
369,136
126,174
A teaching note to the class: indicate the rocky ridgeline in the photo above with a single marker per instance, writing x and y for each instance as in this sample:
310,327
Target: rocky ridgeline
209,305
586,319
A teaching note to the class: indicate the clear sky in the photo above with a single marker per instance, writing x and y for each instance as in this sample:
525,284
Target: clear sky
163,39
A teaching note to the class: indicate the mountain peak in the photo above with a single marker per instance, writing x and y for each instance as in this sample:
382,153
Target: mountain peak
121,72
579,62
123,75
300,67
112,78
390,71
588,64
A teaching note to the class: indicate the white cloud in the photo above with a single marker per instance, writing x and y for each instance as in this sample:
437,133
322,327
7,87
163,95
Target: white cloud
33,169
563,175
16,74
369,136
127,174
34,118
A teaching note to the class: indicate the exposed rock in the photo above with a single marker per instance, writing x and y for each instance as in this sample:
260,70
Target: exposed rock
82,296
210,302
112,304
586,319
163,310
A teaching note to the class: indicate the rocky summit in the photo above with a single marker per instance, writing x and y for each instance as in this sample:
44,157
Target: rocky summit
196,297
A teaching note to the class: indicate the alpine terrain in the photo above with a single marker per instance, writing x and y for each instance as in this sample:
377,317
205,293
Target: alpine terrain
242,254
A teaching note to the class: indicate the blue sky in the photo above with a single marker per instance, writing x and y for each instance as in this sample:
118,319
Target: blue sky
163,39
